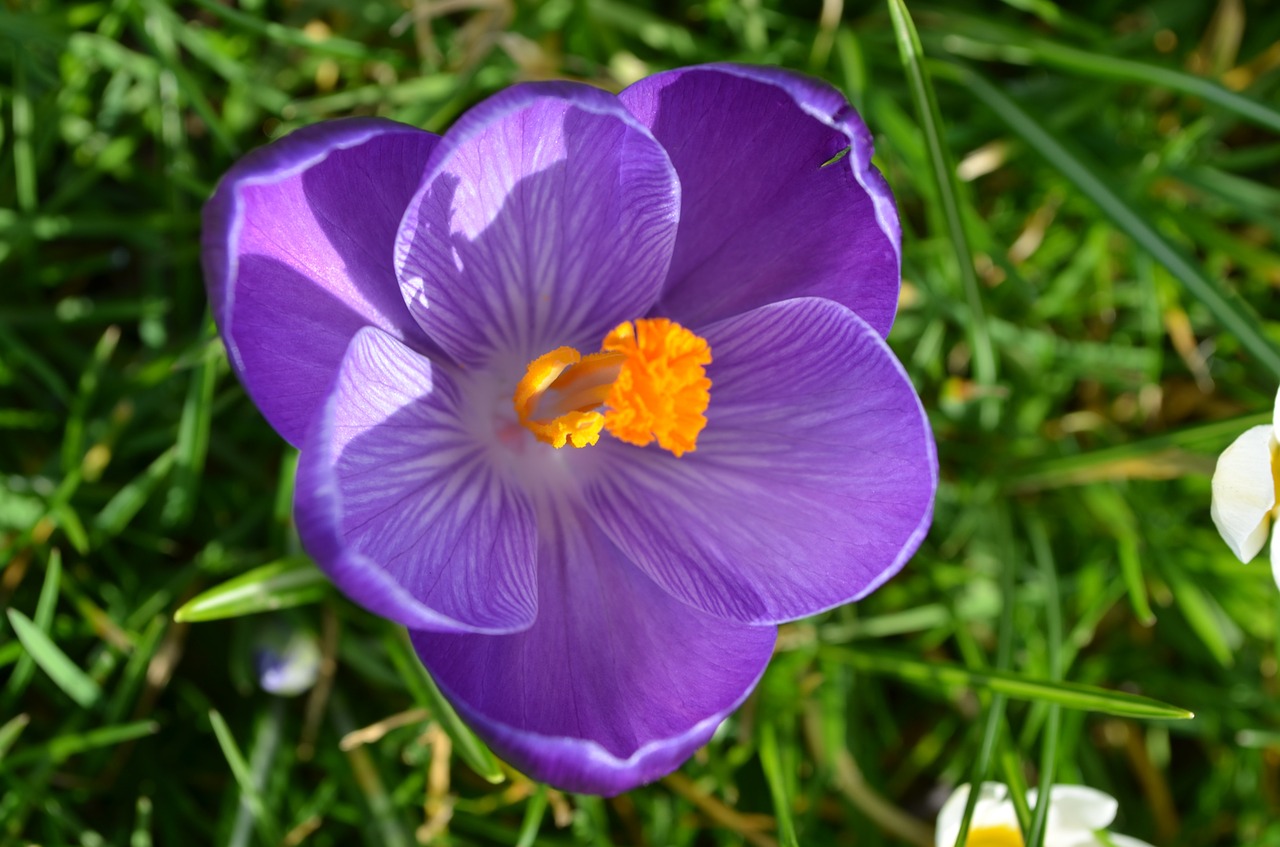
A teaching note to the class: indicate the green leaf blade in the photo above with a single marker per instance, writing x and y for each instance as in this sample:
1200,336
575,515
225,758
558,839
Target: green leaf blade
282,584
943,171
472,750
66,674
1071,695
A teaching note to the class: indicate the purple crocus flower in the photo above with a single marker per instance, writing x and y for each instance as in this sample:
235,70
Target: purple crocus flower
591,392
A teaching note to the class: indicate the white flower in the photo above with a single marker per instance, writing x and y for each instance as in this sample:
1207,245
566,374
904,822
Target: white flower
1078,817
1245,486
288,659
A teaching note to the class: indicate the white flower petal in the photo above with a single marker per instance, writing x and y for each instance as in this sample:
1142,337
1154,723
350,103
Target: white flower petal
1275,556
1075,807
1244,492
289,664
1118,840
992,809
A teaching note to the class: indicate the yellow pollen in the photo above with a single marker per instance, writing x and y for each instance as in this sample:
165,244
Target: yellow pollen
994,836
649,383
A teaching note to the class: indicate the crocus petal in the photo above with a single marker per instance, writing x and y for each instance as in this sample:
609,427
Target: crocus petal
811,484
547,218
616,683
297,256
992,809
397,501
1244,492
766,214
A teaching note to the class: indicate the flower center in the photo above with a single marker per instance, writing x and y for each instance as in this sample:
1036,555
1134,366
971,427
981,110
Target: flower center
1275,474
994,836
648,383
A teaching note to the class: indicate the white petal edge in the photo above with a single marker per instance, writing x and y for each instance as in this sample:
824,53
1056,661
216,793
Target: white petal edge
1275,557
1115,839
1076,810
1244,492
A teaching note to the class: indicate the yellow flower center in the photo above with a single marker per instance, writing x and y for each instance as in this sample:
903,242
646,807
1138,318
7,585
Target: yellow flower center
994,836
648,383
1275,473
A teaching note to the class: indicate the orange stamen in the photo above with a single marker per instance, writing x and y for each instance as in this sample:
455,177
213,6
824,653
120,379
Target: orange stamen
580,427
662,389
648,383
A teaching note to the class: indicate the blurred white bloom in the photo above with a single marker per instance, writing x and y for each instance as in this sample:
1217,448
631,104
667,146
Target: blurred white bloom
288,659
1078,817
1245,495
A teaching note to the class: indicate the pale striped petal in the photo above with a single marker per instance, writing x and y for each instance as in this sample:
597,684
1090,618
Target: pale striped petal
298,256
547,218
397,501
811,484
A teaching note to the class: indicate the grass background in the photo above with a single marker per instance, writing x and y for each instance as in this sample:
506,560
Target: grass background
1090,212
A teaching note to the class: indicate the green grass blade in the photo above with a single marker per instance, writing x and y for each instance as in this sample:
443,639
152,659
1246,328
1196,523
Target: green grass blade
417,91
193,443
69,522
24,165
43,621
131,679
1090,466
73,440
654,29
943,171
64,747
591,821
771,762
14,349
129,500
1103,66
995,717
141,836
204,48
294,581
990,735
1232,315
472,750
74,682
152,31
1013,771
534,811
266,825
1215,629
1114,513
1069,694
385,825
11,730
1042,553
333,46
